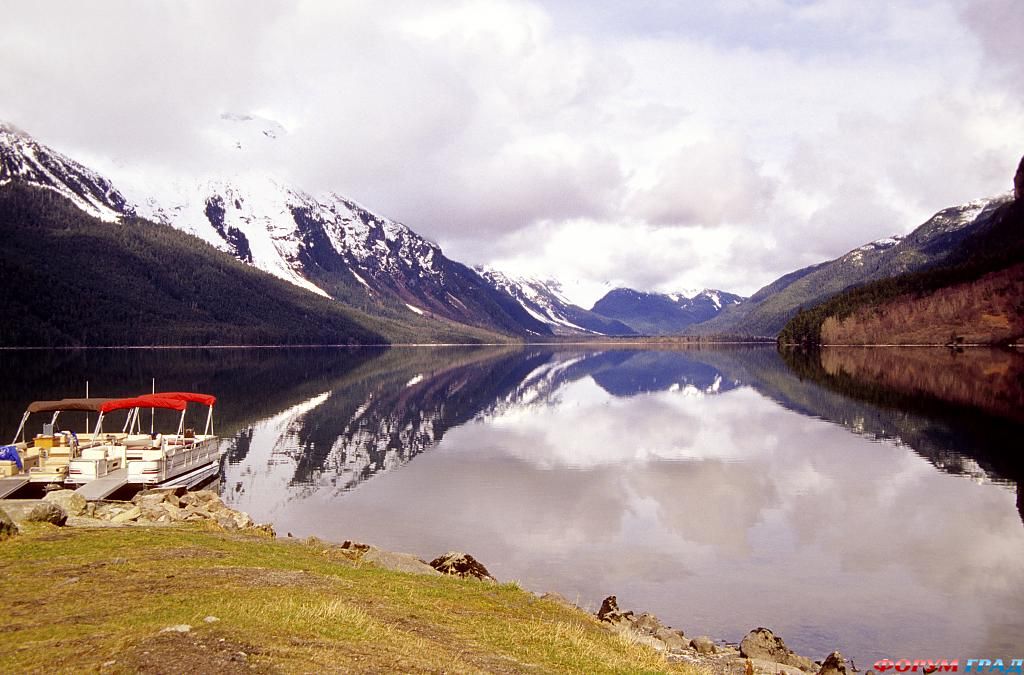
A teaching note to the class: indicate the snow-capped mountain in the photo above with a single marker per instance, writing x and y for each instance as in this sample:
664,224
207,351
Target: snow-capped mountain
337,248
664,313
25,160
324,243
543,300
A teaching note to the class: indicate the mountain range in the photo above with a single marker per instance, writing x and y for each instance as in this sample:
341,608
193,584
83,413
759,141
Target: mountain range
544,300
325,244
388,283
665,313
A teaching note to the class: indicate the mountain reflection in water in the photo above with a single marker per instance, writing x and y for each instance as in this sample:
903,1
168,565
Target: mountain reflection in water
848,500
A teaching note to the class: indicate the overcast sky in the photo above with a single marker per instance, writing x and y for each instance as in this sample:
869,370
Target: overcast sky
657,144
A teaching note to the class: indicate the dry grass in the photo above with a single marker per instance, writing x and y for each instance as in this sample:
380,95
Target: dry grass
96,600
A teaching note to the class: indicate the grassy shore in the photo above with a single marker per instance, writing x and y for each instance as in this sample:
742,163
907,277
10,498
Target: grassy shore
100,600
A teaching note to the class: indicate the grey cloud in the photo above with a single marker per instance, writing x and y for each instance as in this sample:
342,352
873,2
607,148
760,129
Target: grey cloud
997,25
492,125
705,184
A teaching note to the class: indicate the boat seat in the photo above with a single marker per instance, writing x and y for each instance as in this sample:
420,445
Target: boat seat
138,441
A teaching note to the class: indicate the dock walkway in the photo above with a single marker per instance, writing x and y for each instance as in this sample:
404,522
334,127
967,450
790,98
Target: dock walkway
104,487
11,485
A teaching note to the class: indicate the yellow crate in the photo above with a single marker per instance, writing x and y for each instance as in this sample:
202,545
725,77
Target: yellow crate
43,441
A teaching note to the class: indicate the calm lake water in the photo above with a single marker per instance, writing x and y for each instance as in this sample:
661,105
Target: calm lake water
864,500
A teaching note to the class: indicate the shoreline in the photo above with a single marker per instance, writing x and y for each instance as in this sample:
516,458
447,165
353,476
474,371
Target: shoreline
759,653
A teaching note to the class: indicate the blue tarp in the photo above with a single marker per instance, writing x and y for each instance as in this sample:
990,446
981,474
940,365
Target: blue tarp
10,453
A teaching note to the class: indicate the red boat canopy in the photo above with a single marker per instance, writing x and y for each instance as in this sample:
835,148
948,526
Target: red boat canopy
149,401
191,397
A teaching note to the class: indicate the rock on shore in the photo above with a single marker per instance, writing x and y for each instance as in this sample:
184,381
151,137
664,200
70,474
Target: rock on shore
760,653
458,564
160,506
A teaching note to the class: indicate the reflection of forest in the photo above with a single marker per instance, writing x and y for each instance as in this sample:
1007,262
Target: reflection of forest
988,379
965,437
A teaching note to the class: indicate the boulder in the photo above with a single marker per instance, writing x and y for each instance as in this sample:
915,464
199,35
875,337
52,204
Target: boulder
73,503
646,623
455,563
834,664
610,613
609,609
673,639
200,497
398,562
47,512
263,530
7,526
153,512
226,522
150,499
175,513
350,545
761,643
242,519
107,510
703,645
168,492
765,666
124,516
198,513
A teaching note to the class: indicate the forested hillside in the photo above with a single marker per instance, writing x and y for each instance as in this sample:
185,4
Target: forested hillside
72,280
933,243
975,296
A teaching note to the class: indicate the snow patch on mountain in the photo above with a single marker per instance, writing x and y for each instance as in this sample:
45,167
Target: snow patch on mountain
541,298
25,160
245,215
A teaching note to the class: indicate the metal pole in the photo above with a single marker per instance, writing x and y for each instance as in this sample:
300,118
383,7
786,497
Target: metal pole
152,411
87,414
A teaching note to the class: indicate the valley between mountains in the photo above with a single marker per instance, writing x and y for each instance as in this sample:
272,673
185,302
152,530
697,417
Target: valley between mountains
248,259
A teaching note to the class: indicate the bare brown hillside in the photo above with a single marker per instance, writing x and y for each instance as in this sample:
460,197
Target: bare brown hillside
989,379
989,310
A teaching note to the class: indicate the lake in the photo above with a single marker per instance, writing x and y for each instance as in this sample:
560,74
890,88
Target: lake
860,500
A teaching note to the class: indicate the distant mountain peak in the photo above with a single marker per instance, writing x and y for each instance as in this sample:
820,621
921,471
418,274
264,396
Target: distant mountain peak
543,300
652,313
244,131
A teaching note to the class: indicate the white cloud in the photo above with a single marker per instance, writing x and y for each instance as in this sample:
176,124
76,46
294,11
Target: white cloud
657,143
